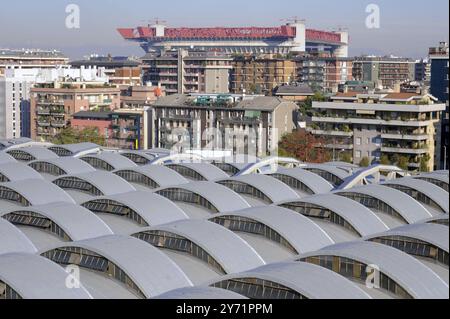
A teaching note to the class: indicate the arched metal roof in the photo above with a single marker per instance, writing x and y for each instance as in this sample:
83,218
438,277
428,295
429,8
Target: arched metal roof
313,181
410,209
161,175
13,240
442,220
193,293
39,191
35,277
75,150
138,157
149,268
435,193
413,276
362,219
433,234
338,172
223,198
275,190
18,172
70,165
115,160
436,176
231,252
6,158
206,170
302,233
311,281
106,182
154,209
77,222
35,152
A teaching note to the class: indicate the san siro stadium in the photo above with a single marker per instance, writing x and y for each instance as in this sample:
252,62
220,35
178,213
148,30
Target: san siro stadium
151,224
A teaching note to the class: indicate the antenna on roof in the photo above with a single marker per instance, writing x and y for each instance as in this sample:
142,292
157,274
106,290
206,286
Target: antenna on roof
293,19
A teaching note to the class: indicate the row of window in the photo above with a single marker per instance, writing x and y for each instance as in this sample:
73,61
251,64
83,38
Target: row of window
172,241
242,188
77,184
181,195
98,163
6,292
43,167
13,196
21,155
138,178
294,183
187,172
111,207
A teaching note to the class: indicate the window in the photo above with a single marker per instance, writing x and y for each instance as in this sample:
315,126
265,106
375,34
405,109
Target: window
358,141
358,154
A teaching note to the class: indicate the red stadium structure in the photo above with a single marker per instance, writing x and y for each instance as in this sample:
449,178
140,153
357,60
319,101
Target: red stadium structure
283,39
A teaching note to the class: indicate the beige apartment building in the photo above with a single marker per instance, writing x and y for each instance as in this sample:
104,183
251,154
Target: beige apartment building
53,104
260,75
376,125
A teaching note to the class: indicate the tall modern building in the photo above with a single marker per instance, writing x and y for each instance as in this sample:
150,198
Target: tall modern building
188,71
293,37
385,72
439,88
400,127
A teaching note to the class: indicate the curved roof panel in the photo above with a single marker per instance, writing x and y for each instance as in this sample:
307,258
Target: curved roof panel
78,149
410,209
362,219
229,250
6,158
311,281
115,160
313,181
70,165
301,232
37,152
275,190
161,175
19,271
413,276
433,234
13,240
437,176
149,268
153,208
39,191
106,182
208,171
437,194
193,293
77,222
18,172
223,198
342,174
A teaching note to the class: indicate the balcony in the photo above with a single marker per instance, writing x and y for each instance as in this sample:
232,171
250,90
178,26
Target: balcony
42,123
404,150
400,136
339,146
43,112
58,124
329,133
178,117
368,121
240,120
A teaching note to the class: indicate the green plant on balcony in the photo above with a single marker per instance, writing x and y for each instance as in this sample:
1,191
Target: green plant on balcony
365,162
424,163
384,160
346,129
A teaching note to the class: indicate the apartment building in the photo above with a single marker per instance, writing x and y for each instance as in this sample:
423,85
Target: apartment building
380,126
439,62
133,97
385,72
53,104
29,59
122,128
250,125
323,72
261,74
182,71
120,70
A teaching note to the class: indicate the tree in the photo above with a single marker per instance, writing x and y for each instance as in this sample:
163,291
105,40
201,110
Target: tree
365,162
424,163
384,160
346,157
70,135
403,162
304,147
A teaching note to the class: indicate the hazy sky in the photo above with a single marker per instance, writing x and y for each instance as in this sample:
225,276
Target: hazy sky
408,27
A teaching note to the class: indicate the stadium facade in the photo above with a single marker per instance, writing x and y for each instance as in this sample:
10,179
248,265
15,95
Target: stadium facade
292,37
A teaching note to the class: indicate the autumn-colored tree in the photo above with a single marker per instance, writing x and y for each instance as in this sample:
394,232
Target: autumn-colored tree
70,135
365,162
304,147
